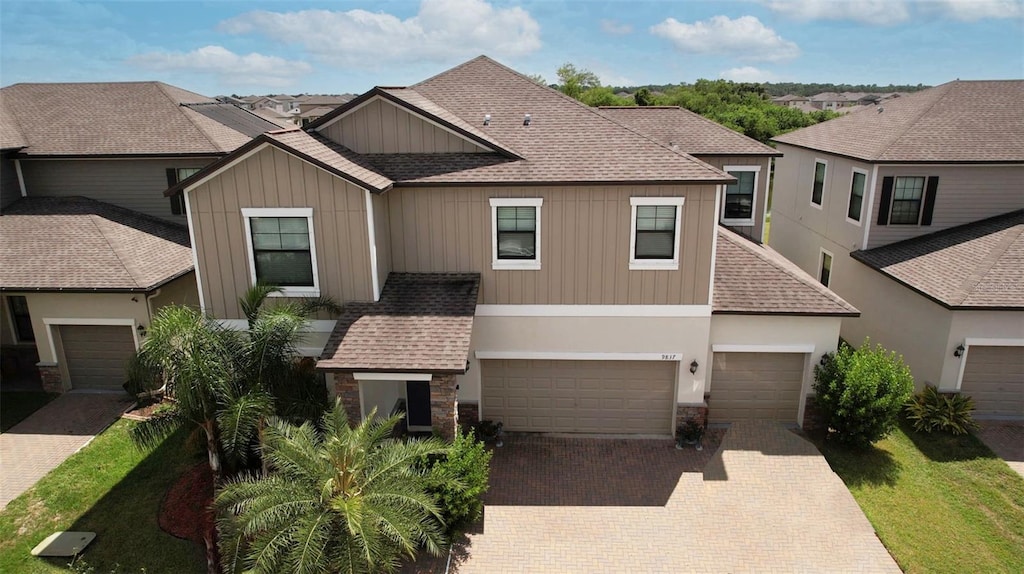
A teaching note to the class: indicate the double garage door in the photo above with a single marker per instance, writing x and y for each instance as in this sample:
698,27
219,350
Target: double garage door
614,397
747,386
994,377
96,355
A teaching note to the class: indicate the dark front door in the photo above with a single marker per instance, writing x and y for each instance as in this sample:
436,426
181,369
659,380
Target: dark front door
418,394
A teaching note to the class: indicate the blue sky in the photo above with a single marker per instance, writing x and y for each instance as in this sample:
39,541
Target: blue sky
217,47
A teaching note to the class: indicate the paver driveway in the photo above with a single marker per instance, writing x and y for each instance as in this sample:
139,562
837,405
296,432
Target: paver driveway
766,502
1006,439
38,444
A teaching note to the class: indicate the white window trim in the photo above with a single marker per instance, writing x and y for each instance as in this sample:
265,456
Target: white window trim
655,264
863,198
920,205
520,264
824,183
832,268
753,207
307,212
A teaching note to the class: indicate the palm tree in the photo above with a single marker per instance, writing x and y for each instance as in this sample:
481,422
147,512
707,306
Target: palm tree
338,499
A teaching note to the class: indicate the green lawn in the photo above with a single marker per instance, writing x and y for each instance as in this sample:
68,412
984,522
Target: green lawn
15,406
939,503
110,488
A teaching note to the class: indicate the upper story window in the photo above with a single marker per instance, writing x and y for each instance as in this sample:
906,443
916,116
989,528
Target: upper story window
654,235
515,232
282,249
856,205
818,188
907,200
825,268
174,176
740,197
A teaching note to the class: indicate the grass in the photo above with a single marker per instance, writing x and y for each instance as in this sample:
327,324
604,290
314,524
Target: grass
15,406
939,503
114,490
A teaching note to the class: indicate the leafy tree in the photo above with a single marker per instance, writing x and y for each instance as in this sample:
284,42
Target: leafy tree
861,392
460,478
339,499
643,97
538,78
595,97
573,82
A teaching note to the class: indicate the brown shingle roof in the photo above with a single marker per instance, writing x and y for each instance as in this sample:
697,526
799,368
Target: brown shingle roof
78,244
961,121
693,133
422,323
754,279
10,133
975,266
118,118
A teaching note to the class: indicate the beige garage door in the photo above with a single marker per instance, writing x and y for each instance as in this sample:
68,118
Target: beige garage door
96,354
615,397
747,386
994,377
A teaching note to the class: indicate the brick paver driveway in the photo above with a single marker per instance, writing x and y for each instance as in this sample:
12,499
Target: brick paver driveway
766,502
1006,439
38,444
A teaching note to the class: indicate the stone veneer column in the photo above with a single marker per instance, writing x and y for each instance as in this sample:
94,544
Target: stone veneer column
469,413
49,374
686,412
346,390
443,406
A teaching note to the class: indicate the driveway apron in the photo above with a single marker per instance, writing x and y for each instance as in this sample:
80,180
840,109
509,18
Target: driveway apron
1006,439
767,501
38,444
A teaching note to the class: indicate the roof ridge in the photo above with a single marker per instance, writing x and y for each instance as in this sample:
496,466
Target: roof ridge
985,266
916,118
180,106
740,242
92,219
694,114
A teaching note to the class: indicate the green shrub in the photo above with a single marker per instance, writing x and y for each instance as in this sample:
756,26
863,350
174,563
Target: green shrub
459,480
140,376
930,411
861,392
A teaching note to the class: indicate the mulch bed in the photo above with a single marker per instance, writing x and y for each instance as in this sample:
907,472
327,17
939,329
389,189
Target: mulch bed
143,410
186,511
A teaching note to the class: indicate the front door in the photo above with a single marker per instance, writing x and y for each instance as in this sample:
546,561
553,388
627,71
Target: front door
418,404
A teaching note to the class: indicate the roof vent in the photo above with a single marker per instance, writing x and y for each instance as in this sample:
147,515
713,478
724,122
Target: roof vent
487,119
674,146
527,119
880,109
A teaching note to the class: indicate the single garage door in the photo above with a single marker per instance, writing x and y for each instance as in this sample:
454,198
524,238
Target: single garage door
96,354
994,377
747,386
614,397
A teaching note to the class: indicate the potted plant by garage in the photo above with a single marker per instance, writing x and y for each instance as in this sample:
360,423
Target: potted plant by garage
690,432
490,431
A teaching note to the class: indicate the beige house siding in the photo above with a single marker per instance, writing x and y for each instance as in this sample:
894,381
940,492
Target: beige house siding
585,242
965,194
382,235
136,184
272,178
382,127
755,232
181,291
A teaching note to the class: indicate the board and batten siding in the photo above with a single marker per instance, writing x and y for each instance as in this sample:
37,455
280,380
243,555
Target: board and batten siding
585,242
382,127
272,178
136,184
756,231
965,194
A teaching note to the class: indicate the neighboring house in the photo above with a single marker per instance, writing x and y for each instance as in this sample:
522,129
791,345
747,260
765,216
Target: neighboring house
314,114
829,101
911,213
790,100
80,279
309,102
505,252
279,119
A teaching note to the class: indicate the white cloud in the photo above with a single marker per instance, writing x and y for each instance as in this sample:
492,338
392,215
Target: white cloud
229,68
441,30
616,28
879,12
747,74
973,10
745,38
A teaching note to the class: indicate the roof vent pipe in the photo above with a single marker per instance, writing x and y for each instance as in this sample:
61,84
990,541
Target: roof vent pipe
526,119
487,119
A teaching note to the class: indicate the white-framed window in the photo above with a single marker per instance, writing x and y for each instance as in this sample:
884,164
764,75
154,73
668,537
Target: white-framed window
818,185
515,232
655,228
825,268
855,206
740,197
907,198
282,249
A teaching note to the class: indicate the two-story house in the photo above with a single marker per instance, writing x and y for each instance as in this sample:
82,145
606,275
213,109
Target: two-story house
912,212
90,245
505,252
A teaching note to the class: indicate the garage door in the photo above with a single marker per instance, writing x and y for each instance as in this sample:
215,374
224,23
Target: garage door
994,377
747,386
615,397
96,354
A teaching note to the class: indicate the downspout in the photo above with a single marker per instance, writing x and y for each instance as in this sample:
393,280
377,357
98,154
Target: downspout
149,312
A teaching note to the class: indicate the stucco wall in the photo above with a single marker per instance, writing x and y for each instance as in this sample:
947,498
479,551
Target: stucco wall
181,291
980,325
81,306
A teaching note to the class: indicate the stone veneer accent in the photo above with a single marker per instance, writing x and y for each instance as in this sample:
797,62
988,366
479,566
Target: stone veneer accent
697,412
346,389
469,413
444,415
813,417
49,374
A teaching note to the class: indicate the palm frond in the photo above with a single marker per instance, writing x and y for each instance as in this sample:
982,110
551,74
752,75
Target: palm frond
239,422
150,433
252,300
